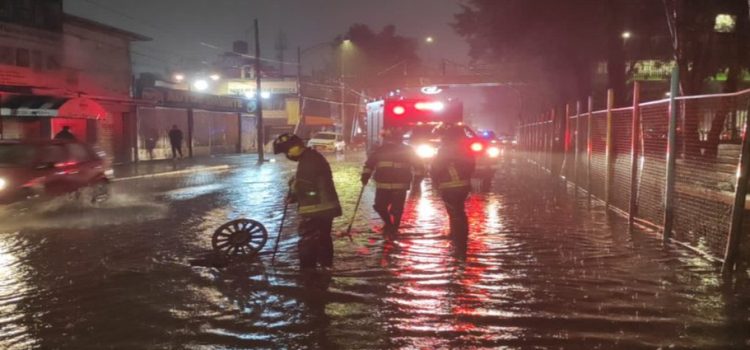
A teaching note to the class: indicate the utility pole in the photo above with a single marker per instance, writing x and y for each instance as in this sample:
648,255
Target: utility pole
280,49
300,111
258,99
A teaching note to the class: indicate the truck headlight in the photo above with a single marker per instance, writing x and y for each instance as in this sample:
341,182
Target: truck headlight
426,151
3,184
493,152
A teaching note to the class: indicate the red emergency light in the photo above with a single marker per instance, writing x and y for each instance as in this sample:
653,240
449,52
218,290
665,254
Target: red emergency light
477,147
399,110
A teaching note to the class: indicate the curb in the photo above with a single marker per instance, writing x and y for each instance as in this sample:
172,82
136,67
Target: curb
216,168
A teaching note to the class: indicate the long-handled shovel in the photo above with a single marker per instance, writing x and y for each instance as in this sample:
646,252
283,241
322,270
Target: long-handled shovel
354,215
278,236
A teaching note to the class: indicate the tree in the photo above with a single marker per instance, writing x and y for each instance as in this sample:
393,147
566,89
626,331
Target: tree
559,43
377,58
709,37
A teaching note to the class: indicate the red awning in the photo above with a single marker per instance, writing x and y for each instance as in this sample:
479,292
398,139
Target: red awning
81,108
318,121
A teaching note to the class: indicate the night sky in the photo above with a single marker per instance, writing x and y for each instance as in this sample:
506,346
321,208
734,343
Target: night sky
178,27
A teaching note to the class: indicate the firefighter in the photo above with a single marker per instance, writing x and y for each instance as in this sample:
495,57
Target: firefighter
451,173
393,165
313,190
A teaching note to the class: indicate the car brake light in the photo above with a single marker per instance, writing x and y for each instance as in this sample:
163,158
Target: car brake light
435,106
477,147
399,110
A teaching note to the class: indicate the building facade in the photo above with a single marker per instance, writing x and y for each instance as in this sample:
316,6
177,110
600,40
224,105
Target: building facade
60,70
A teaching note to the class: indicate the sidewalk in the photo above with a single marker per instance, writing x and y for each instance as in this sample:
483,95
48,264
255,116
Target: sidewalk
165,167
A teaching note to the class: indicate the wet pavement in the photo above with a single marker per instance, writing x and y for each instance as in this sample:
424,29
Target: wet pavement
540,271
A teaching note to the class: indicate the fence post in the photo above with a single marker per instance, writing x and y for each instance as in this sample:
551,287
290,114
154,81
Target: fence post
566,140
634,156
577,147
609,157
738,208
589,147
551,141
671,152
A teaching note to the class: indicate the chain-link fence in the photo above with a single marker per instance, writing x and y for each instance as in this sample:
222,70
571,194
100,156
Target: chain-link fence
596,151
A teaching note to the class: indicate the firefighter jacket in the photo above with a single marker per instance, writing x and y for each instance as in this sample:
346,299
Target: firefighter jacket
452,168
313,187
393,165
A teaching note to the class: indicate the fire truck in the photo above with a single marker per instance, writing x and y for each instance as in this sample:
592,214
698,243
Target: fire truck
423,121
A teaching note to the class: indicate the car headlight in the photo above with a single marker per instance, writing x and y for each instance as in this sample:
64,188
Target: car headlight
493,152
426,151
3,184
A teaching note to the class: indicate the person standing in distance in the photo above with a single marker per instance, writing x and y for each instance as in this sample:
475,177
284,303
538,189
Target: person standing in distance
175,140
65,134
451,173
313,190
393,165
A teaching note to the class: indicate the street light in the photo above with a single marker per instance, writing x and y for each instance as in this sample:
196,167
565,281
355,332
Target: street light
215,77
429,40
200,85
626,35
179,77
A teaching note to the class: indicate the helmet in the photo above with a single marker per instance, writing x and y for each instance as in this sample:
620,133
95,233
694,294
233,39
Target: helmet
284,142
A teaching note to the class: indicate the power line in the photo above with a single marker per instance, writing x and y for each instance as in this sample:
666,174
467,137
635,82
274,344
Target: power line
201,43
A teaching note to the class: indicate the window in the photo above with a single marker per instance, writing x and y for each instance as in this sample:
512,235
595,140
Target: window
52,154
5,9
7,55
23,59
78,153
25,11
16,154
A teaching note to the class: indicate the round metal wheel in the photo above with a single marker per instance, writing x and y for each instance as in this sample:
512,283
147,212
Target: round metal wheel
240,237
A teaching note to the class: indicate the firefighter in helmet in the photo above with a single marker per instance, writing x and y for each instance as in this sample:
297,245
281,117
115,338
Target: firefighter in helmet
451,173
313,190
393,165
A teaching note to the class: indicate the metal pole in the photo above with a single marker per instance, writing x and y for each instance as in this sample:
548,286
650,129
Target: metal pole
634,156
190,130
300,112
566,159
589,147
577,147
609,156
258,99
281,227
239,132
671,151
738,208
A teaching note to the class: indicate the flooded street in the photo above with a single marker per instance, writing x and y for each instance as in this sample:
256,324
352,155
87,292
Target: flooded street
540,271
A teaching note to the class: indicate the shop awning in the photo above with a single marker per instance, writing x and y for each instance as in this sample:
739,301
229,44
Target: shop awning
318,121
51,106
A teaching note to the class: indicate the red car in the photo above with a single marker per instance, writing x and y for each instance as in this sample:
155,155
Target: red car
49,168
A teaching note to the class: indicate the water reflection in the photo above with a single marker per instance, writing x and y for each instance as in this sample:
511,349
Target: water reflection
532,275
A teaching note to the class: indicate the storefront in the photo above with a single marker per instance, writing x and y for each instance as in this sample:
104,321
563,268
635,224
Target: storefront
210,124
42,117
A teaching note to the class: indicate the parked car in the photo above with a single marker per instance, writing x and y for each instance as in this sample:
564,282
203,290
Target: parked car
327,141
50,168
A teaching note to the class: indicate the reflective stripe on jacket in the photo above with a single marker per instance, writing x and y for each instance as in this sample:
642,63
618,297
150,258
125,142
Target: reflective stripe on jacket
452,168
313,187
394,165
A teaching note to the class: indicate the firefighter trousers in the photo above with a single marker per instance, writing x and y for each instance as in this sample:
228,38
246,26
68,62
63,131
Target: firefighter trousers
454,200
315,244
389,204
